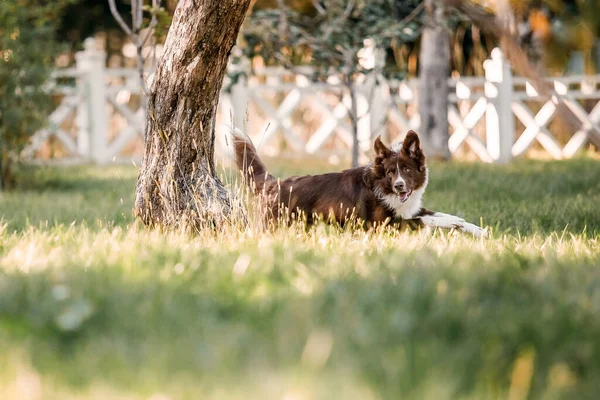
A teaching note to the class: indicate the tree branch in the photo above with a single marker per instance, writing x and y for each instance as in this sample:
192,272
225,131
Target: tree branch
318,7
412,14
118,18
283,25
153,22
137,15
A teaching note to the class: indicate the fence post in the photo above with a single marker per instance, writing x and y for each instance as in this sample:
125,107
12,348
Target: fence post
82,111
364,116
499,120
240,95
370,102
377,108
92,116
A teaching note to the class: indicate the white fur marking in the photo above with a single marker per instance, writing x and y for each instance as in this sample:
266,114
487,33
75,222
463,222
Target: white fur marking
396,147
236,132
447,221
474,230
410,207
406,210
441,214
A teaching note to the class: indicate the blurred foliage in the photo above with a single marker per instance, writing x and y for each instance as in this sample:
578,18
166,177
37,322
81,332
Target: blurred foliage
301,6
27,50
330,37
470,47
551,29
163,21
84,18
555,29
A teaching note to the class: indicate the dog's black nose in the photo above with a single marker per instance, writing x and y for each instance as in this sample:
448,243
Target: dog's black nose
399,186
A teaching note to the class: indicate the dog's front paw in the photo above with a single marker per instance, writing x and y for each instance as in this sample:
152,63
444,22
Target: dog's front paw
447,221
474,230
449,217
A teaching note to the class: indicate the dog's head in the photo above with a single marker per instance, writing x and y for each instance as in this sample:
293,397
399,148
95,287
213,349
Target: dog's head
402,170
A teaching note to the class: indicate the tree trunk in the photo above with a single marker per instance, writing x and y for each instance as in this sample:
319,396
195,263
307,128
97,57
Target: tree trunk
7,179
434,71
177,185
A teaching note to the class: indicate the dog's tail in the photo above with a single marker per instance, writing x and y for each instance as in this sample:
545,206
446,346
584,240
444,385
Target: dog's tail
248,162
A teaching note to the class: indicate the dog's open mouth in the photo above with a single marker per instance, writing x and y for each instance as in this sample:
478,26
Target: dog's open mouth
403,196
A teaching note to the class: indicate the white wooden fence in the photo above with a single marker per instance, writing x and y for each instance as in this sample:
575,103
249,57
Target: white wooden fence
99,117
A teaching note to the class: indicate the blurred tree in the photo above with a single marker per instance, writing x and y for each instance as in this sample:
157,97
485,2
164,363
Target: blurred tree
433,81
27,50
330,38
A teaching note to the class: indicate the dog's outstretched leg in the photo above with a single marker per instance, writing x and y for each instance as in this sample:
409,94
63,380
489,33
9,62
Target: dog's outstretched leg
436,219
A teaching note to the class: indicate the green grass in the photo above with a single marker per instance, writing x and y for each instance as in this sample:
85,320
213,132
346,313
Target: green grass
94,306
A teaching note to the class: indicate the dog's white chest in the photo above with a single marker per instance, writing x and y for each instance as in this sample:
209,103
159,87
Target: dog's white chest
409,208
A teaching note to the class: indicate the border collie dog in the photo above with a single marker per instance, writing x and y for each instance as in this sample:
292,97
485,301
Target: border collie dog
389,190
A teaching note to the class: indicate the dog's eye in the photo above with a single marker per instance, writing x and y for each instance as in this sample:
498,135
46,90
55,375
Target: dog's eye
407,169
390,173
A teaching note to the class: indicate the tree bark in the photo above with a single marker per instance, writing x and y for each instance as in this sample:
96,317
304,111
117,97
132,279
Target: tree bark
177,185
434,71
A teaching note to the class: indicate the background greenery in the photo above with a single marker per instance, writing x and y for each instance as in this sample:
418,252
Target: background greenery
27,50
555,28
93,306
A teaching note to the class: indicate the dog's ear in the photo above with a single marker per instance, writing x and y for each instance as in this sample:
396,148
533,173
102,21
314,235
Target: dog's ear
381,150
412,144
411,147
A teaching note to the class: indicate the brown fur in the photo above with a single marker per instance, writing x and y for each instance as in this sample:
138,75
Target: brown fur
338,196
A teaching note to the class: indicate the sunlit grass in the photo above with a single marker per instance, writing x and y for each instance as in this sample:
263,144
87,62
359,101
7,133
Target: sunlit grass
104,308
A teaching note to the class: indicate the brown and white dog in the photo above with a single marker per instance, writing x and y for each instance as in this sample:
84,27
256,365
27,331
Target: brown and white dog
389,190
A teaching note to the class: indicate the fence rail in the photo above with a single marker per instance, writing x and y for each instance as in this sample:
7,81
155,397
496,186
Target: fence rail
100,113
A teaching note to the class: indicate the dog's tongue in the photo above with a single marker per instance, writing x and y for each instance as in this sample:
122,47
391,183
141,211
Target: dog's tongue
404,196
